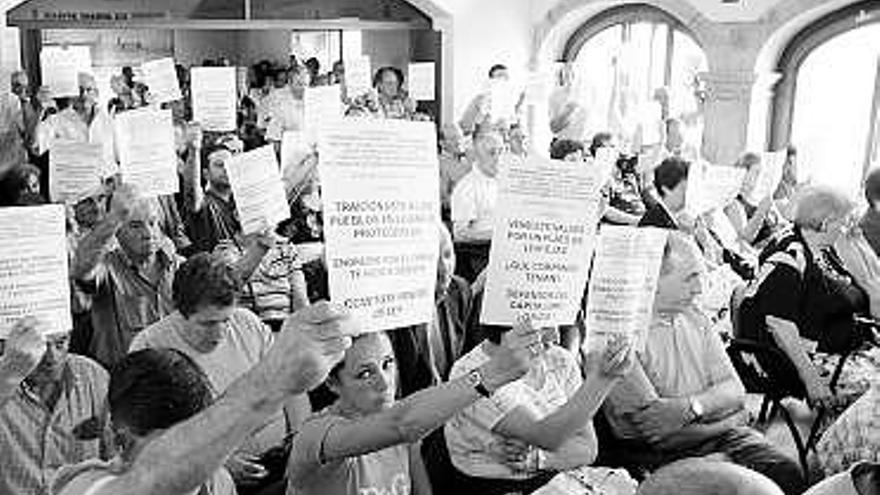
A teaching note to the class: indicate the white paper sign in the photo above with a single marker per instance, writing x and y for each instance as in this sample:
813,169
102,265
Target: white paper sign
161,77
147,156
323,107
769,176
623,281
34,278
358,76
61,66
74,170
712,186
214,97
606,161
420,81
380,183
258,189
503,97
542,241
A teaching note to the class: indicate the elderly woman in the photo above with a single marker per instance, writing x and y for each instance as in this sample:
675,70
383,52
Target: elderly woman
752,223
367,442
537,426
392,101
803,291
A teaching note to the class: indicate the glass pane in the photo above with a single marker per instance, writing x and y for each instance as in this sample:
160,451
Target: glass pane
835,87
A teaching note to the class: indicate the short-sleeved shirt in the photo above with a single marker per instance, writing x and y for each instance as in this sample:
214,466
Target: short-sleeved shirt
683,356
68,125
308,473
125,300
88,477
474,199
247,340
469,433
35,442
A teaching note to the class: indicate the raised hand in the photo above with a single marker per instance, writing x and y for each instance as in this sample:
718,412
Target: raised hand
24,348
513,357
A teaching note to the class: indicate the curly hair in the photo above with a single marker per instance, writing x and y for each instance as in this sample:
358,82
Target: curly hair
205,279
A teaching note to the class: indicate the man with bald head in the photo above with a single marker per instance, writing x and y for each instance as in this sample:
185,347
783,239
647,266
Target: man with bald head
128,266
683,398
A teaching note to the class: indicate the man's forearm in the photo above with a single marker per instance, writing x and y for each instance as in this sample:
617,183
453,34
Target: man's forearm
720,400
91,248
556,428
699,432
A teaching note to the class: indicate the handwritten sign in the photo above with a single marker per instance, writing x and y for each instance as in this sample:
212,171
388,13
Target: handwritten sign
147,156
258,189
61,66
542,241
421,81
710,187
620,297
74,170
161,77
323,107
380,185
768,176
33,267
214,97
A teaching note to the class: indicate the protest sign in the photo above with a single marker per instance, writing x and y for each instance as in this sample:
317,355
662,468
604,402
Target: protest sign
623,281
214,98
420,82
323,107
147,155
767,177
74,170
160,77
33,267
258,189
710,187
542,241
380,185
358,76
60,67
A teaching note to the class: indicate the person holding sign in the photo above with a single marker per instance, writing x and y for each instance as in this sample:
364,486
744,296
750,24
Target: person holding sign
670,183
84,121
213,215
683,397
51,408
367,442
518,439
392,100
753,224
130,283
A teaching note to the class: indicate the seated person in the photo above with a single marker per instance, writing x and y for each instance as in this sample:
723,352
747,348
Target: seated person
367,442
51,408
168,457
752,224
670,183
701,477
535,427
870,222
150,391
802,291
225,341
862,479
683,397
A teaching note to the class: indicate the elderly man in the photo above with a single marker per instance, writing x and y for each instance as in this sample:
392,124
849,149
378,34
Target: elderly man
51,409
473,201
84,121
176,459
683,397
130,281
225,341
454,165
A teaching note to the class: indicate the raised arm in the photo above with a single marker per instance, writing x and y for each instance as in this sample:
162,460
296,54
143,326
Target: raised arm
414,417
92,247
176,463
551,432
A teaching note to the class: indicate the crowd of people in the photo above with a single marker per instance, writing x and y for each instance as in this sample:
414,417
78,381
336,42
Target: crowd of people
205,361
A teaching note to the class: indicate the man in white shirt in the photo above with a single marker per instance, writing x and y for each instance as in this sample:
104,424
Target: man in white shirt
474,197
84,121
225,341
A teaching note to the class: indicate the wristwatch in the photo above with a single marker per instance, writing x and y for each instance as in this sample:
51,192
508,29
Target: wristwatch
475,379
696,408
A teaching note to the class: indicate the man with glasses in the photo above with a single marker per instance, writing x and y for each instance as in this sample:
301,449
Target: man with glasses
51,408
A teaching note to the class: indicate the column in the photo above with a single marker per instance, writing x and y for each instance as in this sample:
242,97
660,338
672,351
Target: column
726,114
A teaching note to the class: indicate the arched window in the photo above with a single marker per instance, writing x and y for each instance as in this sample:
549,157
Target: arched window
827,102
621,57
